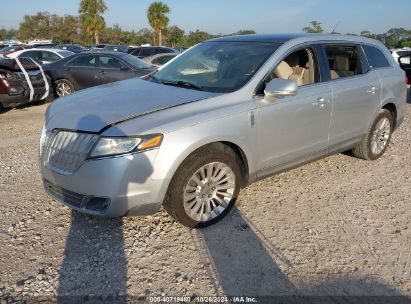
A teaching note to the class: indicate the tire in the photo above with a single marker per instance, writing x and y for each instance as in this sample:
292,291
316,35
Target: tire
198,206
63,87
378,137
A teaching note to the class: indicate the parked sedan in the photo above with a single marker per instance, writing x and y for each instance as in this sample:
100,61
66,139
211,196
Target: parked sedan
45,56
194,133
90,69
160,59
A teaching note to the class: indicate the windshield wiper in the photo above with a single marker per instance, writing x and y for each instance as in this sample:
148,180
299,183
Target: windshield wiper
184,84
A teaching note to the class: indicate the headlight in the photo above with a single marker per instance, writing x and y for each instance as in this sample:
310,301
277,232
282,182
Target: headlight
111,146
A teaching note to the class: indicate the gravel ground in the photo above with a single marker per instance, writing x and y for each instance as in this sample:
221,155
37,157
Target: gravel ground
339,226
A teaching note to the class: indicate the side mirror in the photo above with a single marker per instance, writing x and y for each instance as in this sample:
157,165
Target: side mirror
281,87
405,60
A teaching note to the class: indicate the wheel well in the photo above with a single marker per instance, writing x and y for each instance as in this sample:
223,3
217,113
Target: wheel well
244,162
393,110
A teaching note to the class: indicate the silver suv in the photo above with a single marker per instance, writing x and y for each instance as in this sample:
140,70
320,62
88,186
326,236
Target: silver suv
218,117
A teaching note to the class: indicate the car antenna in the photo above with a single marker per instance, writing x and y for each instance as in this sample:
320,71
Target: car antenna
335,27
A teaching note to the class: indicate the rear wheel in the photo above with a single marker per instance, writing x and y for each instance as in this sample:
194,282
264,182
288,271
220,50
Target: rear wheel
376,141
63,87
205,187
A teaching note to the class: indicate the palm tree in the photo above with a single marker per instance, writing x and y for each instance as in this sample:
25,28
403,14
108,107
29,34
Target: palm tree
156,15
90,15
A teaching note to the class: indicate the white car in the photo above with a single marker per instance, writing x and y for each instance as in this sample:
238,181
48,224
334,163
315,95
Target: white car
42,55
396,53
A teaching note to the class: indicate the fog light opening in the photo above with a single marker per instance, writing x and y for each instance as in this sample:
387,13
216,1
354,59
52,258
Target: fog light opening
98,204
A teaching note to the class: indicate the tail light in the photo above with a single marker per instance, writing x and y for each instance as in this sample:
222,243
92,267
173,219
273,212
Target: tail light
407,81
4,86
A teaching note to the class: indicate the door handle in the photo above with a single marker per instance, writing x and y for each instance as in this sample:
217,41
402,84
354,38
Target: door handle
321,102
372,90
102,72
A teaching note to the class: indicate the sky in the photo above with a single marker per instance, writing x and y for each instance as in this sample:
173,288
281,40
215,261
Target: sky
229,16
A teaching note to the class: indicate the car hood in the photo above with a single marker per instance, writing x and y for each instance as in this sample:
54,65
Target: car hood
95,108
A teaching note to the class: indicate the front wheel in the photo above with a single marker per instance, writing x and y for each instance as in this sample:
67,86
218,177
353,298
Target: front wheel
378,137
205,187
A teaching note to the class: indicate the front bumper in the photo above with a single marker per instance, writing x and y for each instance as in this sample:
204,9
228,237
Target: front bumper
11,101
123,183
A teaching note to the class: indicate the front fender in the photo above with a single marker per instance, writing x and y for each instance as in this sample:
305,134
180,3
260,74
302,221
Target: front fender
178,145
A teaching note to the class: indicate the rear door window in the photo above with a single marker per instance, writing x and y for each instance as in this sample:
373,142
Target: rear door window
344,61
49,56
108,62
89,61
375,57
31,54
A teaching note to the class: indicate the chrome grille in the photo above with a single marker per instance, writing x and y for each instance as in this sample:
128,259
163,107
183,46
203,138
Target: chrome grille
65,151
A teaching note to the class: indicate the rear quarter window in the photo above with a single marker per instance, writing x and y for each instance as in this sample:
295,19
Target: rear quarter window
375,57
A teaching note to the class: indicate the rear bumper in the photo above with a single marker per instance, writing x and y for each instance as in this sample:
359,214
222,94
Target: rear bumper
118,186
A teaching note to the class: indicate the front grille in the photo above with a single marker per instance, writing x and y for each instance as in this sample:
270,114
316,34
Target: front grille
65,151
69,197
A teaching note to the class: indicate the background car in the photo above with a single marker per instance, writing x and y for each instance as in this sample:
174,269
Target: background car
14,88
405,64
160,59
146,51
44,56
11,49
75,48
115,48
397,53
84,70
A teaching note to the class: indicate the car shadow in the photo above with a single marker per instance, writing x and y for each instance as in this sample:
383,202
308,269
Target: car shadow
242,262
94,268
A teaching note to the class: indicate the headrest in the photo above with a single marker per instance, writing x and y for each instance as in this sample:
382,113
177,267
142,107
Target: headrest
283,70
341,63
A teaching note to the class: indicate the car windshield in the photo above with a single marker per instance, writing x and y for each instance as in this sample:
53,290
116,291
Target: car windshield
135,62
220,67
65,53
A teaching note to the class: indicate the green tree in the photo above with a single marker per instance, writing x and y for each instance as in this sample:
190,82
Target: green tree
314,27
90,15
245,32
197,37
156,15
3,34
67,29
39,26
406,43
367,34
113,35
174,36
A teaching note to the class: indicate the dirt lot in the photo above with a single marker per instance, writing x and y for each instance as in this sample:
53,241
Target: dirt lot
339,226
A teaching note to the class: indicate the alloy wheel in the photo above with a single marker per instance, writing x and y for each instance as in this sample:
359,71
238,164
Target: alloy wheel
209,191
380,136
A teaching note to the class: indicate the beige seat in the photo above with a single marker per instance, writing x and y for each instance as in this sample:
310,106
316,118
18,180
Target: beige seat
284,71
341,67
